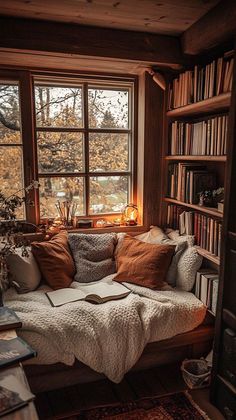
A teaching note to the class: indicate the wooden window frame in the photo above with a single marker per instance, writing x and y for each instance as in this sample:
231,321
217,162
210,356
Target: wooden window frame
26,79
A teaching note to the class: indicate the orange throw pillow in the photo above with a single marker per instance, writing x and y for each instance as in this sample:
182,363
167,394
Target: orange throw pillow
143,263
55,261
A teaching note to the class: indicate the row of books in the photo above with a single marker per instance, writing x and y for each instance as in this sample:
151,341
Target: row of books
186,181
13,393
200,138
206,288
207,231
202,82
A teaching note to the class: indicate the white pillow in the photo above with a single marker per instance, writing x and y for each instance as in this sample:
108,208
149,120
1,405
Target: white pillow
189,263
24,271
175,236
154,236
157,236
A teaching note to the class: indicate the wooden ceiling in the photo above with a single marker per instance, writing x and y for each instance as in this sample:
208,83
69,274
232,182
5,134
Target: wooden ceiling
169,17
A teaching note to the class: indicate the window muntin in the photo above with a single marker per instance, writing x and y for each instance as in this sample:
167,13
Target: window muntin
100,141
11,155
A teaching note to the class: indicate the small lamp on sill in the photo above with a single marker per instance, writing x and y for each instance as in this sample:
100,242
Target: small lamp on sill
131,215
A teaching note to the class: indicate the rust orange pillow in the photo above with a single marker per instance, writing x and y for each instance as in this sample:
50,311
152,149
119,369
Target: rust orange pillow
143,263
55,261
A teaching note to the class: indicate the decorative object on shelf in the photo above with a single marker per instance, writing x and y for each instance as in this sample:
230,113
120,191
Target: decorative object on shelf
210,198
220,206
66,212
84,223
131,215
9,226
102,223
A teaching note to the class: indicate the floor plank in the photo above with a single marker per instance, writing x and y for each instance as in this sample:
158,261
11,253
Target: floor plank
66,402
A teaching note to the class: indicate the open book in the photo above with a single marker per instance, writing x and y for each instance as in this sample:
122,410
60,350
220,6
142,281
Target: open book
96,292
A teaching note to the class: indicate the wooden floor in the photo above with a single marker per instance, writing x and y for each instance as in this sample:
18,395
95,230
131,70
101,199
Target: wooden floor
64,403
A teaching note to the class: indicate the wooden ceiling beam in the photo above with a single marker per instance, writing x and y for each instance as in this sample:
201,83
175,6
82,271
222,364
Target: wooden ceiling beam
216,27
34,35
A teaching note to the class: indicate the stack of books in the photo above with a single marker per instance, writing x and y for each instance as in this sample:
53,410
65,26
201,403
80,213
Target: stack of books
206,288
13,394
207,231
186,181
202,82
200,138
13,349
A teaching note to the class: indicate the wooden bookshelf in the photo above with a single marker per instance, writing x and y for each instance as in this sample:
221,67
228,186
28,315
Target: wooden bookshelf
196,158
206,254
208,106
207,210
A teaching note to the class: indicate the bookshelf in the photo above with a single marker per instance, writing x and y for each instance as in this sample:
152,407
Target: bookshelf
190,158
207,106
207,210
200,96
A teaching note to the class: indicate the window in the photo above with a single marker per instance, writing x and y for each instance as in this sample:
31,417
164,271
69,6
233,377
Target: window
84,145
11,155
75,134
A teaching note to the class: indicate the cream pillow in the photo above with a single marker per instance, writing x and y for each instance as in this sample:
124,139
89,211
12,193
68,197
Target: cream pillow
154,236
175,236
189,263
24,271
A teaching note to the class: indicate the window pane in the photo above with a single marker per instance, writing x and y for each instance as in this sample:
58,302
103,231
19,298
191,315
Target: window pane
9,114
60,152
108,152
62,189
11,170
108,194
108,108
58,106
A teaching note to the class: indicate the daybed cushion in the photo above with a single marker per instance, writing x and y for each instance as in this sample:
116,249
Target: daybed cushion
109,337
143,263
24,271
93,255
55,261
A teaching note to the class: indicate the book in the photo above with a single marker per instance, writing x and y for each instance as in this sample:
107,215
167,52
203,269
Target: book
13,393
8,319
95,292
215,285
13,350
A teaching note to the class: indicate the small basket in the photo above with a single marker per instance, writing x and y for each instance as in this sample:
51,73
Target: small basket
196,373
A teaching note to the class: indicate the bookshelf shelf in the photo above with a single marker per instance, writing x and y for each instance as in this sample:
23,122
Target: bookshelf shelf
196,158
206,254
207,210
211,105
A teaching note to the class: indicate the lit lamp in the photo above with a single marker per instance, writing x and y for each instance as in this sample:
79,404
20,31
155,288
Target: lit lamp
131,214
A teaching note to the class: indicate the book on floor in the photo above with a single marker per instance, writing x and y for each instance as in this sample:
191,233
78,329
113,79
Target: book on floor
13,349
13,393
8,319
96,292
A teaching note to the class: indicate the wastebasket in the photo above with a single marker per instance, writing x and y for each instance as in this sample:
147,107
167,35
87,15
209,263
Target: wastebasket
196,372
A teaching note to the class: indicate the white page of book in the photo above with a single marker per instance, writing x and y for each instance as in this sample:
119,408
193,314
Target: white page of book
100,288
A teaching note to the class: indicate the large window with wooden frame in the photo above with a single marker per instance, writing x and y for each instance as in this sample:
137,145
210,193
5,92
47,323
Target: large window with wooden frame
83,142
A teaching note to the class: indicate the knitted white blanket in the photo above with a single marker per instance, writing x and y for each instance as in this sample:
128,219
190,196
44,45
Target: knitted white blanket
109,337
